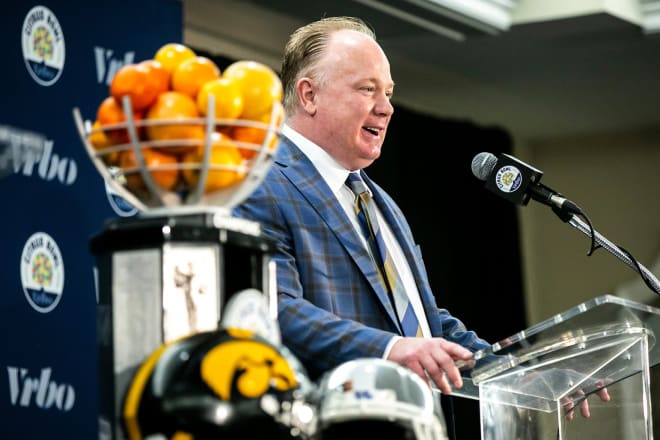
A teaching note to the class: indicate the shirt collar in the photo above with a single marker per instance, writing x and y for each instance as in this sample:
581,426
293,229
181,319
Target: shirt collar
332,172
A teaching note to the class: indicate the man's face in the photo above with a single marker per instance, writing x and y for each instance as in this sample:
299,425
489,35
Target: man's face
352,99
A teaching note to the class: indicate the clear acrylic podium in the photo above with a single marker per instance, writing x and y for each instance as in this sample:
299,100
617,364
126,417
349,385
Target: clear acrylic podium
525,382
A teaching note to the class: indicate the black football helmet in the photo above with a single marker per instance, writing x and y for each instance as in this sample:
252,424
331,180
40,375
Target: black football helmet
223,384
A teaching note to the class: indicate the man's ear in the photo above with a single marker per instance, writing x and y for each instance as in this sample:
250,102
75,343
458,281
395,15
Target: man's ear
306,95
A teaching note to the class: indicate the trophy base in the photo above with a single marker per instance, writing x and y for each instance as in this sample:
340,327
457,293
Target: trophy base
164,276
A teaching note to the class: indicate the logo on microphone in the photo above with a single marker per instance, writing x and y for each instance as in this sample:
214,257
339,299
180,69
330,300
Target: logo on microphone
508,179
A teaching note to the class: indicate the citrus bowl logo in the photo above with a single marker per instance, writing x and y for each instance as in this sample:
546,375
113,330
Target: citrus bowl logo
118,204
43,45
508,179
42,272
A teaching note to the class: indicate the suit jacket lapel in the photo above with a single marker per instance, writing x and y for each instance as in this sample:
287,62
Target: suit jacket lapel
302,173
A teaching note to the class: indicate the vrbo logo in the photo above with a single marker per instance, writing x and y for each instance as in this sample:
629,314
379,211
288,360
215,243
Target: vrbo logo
51,166
41,391
107,65
31,153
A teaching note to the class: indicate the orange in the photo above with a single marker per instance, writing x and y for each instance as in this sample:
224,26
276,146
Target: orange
259,84
227,96
134,81
100,141
192,73
177,108
158,75
224,156
165,178
110,112
171,55
256,135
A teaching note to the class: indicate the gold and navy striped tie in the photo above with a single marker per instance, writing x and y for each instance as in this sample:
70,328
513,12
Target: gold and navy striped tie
366,213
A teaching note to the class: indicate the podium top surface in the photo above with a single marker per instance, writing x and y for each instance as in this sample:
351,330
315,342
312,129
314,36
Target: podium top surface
601,341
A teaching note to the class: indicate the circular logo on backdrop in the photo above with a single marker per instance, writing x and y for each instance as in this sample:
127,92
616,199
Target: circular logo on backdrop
508,178
43,45
42,272
118,204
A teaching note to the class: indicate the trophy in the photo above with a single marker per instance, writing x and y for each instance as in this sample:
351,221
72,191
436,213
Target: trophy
169,272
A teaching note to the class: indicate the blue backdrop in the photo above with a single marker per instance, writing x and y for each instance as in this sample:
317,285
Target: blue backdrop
58,55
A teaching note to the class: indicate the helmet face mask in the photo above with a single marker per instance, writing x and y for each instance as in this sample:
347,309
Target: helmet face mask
377,396
228,383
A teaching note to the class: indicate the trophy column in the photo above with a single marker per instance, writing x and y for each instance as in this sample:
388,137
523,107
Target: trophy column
161,278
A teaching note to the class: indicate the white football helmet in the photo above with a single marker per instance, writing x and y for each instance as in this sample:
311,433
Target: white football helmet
380,397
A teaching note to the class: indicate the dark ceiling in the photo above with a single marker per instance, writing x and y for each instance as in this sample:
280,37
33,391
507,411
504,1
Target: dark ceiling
581,75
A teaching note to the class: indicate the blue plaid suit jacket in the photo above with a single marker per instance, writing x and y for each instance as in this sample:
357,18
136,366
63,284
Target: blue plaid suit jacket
331,306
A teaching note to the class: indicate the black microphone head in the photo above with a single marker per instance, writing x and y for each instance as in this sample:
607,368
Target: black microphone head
483,164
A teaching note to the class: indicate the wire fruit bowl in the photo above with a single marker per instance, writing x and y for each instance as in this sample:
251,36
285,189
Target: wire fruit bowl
197,175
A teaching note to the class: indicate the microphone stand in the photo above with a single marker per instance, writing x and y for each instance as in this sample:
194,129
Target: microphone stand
573,220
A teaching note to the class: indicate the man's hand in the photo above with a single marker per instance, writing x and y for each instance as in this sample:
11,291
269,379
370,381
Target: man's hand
433,358
569,403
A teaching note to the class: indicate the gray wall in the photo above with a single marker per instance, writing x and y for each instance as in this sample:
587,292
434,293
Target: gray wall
614,178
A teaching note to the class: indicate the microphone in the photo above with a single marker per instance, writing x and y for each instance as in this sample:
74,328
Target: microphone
518,182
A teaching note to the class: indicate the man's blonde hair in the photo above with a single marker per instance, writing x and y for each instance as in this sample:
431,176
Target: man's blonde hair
305,47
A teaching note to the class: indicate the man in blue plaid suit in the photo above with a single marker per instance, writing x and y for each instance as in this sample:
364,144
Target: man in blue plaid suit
333,306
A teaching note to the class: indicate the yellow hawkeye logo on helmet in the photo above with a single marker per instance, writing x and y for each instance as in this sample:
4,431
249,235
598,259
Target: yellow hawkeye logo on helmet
246,367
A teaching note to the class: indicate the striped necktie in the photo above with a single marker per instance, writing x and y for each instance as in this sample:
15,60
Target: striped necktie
366,213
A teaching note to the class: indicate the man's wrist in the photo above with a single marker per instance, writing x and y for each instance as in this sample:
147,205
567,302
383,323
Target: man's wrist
389,346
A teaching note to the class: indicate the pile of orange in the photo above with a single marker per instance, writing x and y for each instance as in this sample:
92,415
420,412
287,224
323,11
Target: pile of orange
168,98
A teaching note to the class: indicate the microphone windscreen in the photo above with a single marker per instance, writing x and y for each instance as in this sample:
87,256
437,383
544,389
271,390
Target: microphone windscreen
483,164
